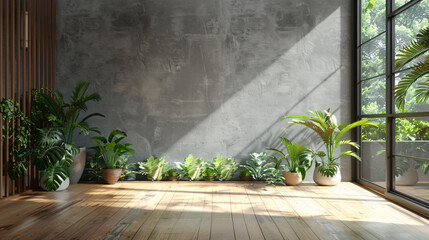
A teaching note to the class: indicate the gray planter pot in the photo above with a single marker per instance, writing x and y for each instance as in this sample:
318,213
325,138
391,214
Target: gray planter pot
78,165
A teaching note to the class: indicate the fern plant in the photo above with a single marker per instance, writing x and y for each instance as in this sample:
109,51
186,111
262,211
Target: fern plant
419,70
191,168
154,168
325,125
52,156
298,159
258,166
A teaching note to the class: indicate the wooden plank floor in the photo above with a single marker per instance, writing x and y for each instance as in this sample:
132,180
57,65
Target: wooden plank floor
207,210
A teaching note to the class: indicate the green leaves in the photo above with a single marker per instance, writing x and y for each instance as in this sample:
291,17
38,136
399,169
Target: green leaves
111,150
154,168
55,175
224,168
258,166
419,70
191,168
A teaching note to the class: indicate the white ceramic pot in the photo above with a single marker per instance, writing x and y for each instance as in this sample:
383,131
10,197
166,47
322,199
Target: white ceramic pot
62,187
78,165
326,181
409,178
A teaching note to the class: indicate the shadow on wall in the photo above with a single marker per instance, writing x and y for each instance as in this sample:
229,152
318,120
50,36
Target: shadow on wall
206,77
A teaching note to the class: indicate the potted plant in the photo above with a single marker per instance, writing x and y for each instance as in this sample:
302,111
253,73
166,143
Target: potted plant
172,174
298,163
51,155
245,175
324,123
154,168
113,153
52,106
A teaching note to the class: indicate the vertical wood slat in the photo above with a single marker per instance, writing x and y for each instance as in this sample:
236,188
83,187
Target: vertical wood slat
24,66
1,95
7,96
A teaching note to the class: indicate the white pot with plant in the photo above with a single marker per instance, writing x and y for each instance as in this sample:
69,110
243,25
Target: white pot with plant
51,155
66,117
298,163
113,153
324,123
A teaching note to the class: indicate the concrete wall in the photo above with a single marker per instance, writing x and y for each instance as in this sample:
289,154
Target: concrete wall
208,77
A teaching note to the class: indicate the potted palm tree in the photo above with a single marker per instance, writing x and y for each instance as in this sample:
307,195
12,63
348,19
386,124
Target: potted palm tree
298,163
113,153
324,123
53,107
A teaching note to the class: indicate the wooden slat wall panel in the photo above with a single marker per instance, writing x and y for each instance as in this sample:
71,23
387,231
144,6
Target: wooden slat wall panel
24,66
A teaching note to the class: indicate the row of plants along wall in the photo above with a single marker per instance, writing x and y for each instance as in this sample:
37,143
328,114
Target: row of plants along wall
54,123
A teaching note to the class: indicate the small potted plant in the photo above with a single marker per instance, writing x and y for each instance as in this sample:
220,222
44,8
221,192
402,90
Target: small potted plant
324,123
172,174
298,163
245,175
113,153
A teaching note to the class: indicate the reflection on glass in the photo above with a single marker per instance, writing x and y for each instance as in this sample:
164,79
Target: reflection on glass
410,101
373,147
408,24
372,19
412,178
373,57
412,137
399,3
373,98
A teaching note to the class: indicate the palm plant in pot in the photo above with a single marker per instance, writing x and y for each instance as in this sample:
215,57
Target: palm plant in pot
298,163
113,153
52,106
324,123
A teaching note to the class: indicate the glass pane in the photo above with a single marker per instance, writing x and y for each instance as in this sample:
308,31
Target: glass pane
412,178
373,57
399,3
373,19
373,98
408,24
373,147
411,104
412,137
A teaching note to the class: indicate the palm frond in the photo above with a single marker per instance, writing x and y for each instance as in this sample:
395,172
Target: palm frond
409,53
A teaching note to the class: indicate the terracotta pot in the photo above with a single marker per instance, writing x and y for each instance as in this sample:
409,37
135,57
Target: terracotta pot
245,178
292,179
324,180
111,176
208,178
172,178
78,165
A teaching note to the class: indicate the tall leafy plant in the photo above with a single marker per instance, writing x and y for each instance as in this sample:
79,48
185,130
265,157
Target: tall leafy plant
52,156
16,130
191,168
66,116
298,158
419,70
324,123
111,150
154,168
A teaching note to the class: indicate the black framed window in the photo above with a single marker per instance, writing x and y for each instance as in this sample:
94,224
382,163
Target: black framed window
395,155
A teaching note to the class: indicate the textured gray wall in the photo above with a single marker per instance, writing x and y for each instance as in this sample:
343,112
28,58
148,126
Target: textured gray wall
207,77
